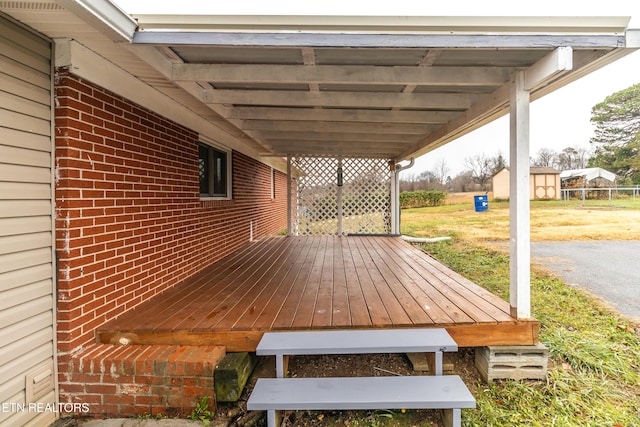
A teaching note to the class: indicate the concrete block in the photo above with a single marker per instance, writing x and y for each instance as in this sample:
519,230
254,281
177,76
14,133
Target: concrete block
231,375
516,362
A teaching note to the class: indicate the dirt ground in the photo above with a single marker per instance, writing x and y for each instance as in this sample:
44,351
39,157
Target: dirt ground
460,363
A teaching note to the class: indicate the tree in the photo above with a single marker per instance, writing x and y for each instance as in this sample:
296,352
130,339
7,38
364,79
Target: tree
462,182
441,172
480,168
545,157
572,158
497,164
617,134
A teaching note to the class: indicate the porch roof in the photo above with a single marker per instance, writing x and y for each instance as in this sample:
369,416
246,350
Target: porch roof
393,87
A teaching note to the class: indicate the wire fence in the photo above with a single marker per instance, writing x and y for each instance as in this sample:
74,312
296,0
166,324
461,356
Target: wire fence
607,196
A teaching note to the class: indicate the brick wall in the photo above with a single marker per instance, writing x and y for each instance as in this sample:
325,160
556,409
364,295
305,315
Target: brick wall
140,379
129,219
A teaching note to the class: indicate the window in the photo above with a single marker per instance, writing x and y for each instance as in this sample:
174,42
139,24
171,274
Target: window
214,172
273,183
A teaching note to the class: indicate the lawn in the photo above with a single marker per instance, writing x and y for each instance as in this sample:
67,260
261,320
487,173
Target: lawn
594,366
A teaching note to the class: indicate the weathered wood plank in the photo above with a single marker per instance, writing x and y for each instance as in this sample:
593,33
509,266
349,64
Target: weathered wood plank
393,306
385,264
241,285
177,303
324,298
303,317
282,283
261,289
439,308
358,309
267,311
340,315
377,310
284,318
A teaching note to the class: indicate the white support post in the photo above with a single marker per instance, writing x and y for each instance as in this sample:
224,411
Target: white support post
395,201
289,209
339,195
520,239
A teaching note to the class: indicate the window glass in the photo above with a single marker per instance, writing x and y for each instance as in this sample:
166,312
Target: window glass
213,171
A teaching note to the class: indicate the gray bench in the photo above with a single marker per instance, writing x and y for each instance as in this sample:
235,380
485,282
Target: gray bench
365,341
419,392
408,392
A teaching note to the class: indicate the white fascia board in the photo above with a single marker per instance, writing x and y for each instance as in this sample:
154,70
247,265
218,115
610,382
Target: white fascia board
386,24
88,65
105,16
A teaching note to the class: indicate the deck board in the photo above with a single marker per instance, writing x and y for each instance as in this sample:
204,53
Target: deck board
306,283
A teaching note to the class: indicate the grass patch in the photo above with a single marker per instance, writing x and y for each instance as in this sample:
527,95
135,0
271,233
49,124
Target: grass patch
550,220
594,366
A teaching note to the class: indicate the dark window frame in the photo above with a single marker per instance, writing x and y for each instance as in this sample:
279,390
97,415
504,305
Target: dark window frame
214,172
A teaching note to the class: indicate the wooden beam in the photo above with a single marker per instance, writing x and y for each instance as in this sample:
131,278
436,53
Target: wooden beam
548,68
494,105
342,74
520,256
340,115
335,126
486,110
302,135
445,101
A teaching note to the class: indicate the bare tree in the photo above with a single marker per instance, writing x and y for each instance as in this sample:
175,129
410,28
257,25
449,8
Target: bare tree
481,169
462,182
545,157
441,172
573,158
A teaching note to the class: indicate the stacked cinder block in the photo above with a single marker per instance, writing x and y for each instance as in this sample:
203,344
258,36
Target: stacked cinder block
517,362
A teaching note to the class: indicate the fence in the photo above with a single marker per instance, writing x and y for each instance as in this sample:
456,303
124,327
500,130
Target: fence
601,194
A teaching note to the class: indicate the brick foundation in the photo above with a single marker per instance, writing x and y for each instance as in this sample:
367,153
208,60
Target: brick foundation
117,381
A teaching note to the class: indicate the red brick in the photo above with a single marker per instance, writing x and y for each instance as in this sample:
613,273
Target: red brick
128,173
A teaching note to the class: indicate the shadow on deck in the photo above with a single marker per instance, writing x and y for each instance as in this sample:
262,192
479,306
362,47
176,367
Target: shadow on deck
307,283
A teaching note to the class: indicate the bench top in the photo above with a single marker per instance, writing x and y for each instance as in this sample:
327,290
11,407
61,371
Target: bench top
356,342
413,392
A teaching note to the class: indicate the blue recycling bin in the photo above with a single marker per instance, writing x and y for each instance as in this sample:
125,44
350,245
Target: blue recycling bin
481,203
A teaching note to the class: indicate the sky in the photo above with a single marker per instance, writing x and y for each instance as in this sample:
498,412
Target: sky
558,120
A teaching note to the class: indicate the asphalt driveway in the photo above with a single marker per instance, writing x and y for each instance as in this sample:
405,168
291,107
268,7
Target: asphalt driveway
607,269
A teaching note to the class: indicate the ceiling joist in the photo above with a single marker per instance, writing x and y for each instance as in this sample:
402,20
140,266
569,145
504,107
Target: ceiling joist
334,74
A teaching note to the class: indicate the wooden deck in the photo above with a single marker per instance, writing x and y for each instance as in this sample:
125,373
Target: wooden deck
305,283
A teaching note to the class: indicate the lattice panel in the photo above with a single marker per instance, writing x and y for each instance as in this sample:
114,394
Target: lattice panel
365,196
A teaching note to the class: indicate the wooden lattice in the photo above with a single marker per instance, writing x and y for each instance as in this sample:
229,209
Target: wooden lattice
365,196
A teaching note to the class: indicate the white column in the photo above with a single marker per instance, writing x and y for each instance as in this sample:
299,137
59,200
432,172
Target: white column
339,195
395,201
520,238
289,212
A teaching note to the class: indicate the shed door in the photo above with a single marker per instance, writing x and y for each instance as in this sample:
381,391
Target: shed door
27,352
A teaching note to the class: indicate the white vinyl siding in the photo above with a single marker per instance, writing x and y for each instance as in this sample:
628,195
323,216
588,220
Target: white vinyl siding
27,266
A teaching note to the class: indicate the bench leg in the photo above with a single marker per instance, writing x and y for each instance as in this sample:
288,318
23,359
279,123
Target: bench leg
282,365
452,417
271,418
438,370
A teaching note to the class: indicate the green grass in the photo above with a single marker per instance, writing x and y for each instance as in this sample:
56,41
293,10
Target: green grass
594,371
